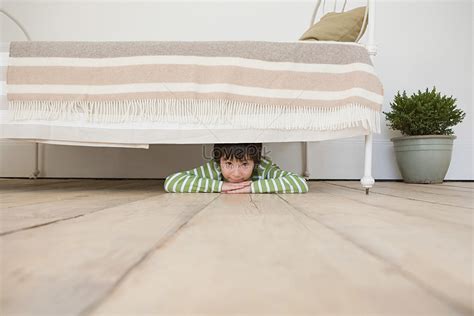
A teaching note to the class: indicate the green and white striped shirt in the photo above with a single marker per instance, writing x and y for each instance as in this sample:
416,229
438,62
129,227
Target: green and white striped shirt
266,178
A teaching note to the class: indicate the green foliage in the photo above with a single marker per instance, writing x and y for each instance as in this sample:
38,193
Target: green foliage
425,113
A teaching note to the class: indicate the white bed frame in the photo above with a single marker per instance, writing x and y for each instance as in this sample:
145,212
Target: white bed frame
367,180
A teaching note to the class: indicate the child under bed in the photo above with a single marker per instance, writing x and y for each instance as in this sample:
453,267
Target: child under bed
236,168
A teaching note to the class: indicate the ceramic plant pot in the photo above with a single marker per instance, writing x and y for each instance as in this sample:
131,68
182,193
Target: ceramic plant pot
424,158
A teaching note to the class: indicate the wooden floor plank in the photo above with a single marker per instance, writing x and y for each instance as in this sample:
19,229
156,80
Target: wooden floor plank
407,192
409,207
72,205
430,188
257,255
32,184
435,254
463,184
63,268
442,187
61,191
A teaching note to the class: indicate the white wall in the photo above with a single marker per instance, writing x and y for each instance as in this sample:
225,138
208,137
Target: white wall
420,44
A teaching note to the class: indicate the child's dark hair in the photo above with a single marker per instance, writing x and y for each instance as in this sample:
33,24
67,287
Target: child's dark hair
251,151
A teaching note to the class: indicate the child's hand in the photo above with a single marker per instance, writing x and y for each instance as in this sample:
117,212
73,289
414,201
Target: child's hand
229,187
246,189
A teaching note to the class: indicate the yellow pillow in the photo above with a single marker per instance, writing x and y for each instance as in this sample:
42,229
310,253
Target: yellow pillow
338,26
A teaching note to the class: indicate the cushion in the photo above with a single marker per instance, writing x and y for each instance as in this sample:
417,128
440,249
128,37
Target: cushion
338,26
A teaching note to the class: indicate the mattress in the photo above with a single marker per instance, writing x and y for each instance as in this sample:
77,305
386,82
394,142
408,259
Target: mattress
140,135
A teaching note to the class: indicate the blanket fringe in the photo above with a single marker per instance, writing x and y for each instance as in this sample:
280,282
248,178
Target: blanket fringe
202,112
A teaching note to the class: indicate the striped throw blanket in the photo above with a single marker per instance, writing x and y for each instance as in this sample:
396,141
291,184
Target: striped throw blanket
243,84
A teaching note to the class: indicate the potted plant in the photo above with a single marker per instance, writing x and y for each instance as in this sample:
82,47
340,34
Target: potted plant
425,119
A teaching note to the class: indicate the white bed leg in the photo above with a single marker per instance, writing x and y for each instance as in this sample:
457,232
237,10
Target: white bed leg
368,181
36,172
306,173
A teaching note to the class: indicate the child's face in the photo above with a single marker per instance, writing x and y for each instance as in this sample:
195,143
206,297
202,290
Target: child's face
236,171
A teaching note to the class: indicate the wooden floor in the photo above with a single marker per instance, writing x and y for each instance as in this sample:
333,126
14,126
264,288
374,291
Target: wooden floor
126,247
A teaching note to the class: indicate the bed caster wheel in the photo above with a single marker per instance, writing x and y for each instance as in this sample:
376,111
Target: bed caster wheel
34,175
367,182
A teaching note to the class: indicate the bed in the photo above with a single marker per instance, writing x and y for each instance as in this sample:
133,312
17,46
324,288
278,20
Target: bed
135,94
